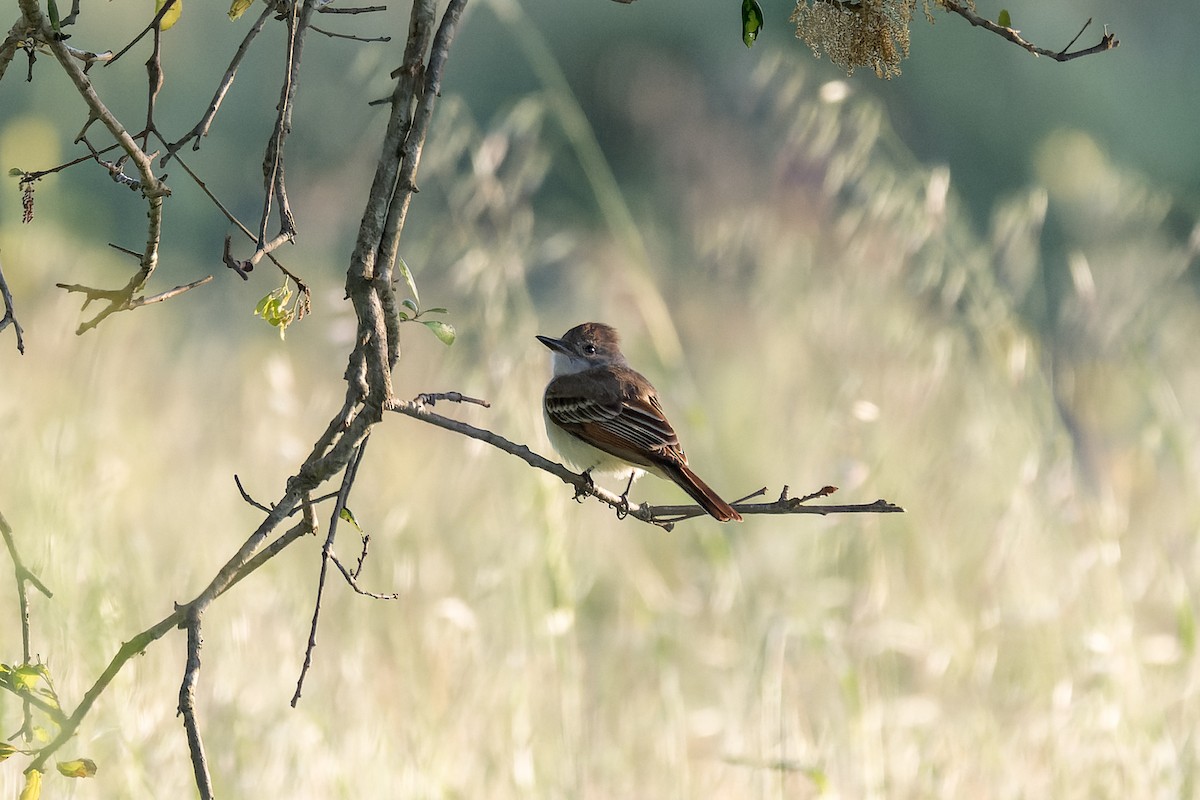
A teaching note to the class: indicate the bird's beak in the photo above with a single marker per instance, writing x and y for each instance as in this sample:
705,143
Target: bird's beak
554,344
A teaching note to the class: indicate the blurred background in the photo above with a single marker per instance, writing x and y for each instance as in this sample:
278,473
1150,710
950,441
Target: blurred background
969,290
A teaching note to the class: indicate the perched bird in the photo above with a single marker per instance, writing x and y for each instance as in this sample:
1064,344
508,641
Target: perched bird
603,417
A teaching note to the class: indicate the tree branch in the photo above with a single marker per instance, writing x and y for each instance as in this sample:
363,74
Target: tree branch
1107,42
10,314
662,516
201,128
23,577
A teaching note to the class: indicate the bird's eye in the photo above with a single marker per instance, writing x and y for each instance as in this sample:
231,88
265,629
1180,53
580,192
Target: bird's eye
589,349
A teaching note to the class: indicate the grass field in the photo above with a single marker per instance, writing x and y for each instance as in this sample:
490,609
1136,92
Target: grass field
1025,630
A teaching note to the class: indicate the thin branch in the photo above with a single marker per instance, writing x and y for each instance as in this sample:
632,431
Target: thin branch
123,299
273,162
138,644
1107,42
243,266
352,580
10,45
91,156
152,26
662,516
153,189
187,704
350,36
10,314
23,577
201,128
326,554
246,496
361,10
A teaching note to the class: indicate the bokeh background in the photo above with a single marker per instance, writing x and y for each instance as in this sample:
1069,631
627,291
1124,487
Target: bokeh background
970,290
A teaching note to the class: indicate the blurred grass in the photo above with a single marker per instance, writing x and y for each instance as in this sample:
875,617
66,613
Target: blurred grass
1025,630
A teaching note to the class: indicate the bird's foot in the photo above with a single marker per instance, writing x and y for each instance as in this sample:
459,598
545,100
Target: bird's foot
584,491
623,508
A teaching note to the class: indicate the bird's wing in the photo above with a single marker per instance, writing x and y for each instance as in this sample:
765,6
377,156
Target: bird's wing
596,407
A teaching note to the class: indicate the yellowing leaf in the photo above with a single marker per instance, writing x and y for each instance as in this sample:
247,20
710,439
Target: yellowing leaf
172,15
444,331
33,786
79,768
239,7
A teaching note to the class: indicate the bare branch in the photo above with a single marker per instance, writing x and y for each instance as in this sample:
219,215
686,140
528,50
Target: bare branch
361,10
327,554
352,579
350,36
273,162
138,644
201,128
122,299
152,26
187,704
1107,42
10,314
153,189
663,516
23,577
242,266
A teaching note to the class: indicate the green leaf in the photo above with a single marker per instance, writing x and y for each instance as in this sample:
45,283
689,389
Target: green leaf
6,750
1185,621
752,21
238,8
55,23
436,311
410,305
16,172
348,516
1004,20
408,278
274,311
443,330
26,677
79,768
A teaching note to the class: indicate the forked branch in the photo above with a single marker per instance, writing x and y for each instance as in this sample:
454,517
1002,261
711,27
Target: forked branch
1107,42
662,516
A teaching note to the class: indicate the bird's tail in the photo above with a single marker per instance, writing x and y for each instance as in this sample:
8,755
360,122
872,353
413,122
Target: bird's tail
700,492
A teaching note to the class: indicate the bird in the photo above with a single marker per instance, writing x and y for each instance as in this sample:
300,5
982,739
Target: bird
603,417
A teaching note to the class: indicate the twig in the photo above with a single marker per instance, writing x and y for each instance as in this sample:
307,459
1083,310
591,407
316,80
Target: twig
352,580
326,553
138,644
662,516
153,26
352,37
431,399
187,704
300,284
361,10
10,314
153,189
201,128
1107,42
273,162
23,576
246,496
123,299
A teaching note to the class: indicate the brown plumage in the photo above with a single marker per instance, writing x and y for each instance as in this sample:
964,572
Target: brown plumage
605,406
